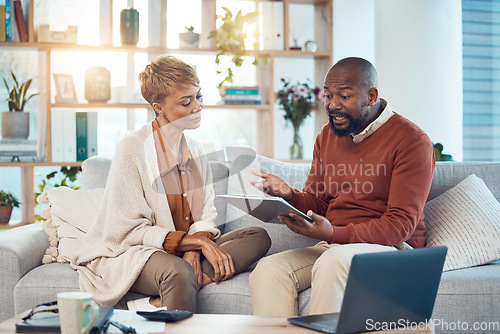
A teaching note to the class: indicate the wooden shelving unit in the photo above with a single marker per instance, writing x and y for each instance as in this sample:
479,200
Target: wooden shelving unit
323,35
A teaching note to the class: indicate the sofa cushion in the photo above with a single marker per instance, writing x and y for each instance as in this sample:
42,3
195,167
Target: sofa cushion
479,280
239,183
469,296
465,218
69,216
233,297
42,284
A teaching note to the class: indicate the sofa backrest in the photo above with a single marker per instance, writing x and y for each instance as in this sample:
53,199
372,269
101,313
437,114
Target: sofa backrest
449,174
94,172
446,176
234,179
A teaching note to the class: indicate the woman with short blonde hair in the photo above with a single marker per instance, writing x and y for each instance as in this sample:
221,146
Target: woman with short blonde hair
155,231
164,74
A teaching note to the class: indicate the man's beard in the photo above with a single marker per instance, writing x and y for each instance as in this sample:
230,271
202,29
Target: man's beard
353,125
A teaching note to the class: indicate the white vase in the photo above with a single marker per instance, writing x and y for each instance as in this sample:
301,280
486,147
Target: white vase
189,39
15,125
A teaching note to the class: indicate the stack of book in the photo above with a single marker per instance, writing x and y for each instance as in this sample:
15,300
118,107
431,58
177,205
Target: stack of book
12,21
241,95
13,149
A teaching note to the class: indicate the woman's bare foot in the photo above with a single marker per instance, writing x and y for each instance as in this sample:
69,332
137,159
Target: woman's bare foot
155,301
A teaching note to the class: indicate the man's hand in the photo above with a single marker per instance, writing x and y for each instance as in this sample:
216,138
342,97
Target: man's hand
320,228
272,185
193,258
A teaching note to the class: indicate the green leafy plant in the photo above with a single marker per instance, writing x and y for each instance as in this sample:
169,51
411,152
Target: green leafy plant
7,199
438,153
68,177
230,38
190,29
18,93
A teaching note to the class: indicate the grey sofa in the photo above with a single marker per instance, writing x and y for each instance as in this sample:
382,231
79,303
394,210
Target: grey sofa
468,295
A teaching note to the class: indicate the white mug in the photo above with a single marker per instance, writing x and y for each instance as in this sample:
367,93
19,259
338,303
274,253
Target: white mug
77,312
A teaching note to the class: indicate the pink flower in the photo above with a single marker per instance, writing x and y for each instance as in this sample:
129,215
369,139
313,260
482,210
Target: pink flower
320,96
300,91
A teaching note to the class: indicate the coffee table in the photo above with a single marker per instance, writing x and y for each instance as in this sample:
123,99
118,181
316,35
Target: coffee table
225,323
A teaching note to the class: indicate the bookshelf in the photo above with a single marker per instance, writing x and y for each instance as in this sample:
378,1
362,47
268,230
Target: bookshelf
158,41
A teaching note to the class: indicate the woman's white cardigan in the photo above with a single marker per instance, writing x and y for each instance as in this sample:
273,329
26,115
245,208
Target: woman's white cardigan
134,218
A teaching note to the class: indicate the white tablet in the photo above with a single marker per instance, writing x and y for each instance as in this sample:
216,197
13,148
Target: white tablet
263,208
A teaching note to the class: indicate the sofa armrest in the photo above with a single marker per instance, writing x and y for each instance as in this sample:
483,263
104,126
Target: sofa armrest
21,249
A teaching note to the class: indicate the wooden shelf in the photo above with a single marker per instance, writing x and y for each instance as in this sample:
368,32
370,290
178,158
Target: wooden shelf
100,105
145,105
19,44
40,164
259,107
12,224
265,75
160,50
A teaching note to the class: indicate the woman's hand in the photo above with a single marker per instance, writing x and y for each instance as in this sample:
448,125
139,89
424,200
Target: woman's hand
220,260
272,185
320,228
193,258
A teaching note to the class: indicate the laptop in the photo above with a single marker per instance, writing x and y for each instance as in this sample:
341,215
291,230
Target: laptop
384,291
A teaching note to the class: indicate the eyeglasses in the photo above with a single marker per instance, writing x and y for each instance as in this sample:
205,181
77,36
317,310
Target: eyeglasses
45,307
49,307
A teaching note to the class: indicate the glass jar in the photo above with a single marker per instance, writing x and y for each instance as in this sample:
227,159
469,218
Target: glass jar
97,84
129,26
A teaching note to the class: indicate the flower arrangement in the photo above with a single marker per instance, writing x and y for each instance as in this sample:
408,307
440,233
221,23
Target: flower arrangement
298,101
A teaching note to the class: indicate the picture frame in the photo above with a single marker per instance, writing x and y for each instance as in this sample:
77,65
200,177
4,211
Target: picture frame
65,88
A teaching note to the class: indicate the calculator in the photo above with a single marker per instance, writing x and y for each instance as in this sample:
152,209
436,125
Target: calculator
165,315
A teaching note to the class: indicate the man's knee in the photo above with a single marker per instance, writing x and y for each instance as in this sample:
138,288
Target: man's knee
334,260
267,269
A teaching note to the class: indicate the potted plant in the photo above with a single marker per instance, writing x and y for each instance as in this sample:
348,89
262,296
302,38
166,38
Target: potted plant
189,39
7,202
230,38
439,155
15,122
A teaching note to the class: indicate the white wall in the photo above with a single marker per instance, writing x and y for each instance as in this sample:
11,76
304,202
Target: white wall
416,46
354,29
295,70
419,61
